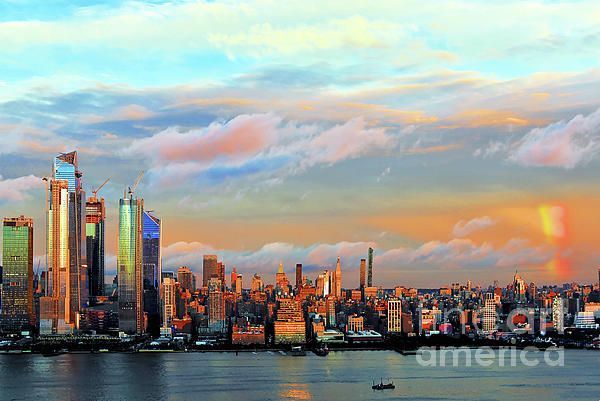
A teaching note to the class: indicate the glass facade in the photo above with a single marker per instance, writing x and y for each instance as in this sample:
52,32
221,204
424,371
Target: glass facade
17,274
94,238
129,265
152,270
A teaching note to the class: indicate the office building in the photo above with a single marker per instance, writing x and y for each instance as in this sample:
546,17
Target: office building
209,268
216,310
151,269
394,316
239,282
17,275
337,280
356,323
95,215
257,283
289,326
281,279
185,279
363,274
558,314
489,313
298,275
59,310
370,271
129,264
167,292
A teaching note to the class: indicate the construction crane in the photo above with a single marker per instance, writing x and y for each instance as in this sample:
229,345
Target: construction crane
95,192
137,181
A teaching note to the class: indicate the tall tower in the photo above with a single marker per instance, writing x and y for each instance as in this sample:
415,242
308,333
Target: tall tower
298,275
17,289
59,312
184,277
370,275
337,282
129,264
95,214
363,274
209,268
151,268
168,301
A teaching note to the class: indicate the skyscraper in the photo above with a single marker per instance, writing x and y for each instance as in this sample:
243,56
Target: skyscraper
394,316
216,309
59,311
209,268
239,284
337,279
363,273
129,264
95,214
151,268
558,315
17,289
298,275
168,302
184,277
370,275
233,278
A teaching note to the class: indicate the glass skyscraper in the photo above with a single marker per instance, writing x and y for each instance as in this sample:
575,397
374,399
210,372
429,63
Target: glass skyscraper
17,289
152,269
60,309
94,238
129,265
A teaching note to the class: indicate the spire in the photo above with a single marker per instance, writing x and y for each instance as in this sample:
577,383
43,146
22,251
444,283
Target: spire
280,267
338,266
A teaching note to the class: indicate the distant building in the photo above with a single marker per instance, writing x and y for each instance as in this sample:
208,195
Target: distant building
248,334
216,310
337,280
355,323
489,313
394,316
558,314
281,280
363,273
17,275
129,265
289,326
370,272
209,268
257,283
185,278
239,283
168,290
298,275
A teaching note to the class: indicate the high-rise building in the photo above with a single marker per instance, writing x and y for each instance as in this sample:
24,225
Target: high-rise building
257,283
60,310
330,311
558,314
233,279
184,277
151,268
209,268
239,284
95,214
394,317
489,313
216,310
221,273
290,326
129,264
17,275
298,275
370,273
168,302
281,279
337,280
363,274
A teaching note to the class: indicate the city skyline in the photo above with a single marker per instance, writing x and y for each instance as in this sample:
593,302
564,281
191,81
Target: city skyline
462,146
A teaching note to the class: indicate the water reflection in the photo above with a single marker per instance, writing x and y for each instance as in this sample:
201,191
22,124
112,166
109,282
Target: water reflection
294,391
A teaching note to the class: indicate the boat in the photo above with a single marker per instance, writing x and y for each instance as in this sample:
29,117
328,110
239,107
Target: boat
298,351
323,351
383,386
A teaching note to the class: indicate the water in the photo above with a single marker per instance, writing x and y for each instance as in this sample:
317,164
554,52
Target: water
342,376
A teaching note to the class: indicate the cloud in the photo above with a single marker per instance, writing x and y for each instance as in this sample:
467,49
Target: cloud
464,228
15,189
255,143
564,144
457,253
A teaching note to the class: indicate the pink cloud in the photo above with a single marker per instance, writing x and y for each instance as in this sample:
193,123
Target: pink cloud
464,228
15,189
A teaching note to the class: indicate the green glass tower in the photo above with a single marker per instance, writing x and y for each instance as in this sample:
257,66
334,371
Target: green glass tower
17,289
129,265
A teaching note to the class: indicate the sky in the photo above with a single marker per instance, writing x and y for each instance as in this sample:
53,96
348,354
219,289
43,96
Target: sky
459,139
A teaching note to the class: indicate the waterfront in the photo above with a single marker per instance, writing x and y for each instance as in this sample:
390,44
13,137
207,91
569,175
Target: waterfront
273,376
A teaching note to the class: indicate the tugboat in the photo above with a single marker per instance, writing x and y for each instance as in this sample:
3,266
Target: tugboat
298,351
382,386
323,351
